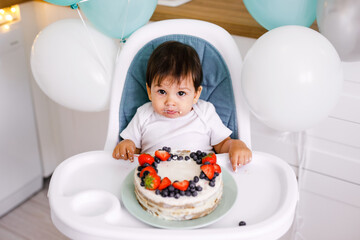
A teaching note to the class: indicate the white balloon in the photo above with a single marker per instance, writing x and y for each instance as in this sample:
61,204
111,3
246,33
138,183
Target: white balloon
73,65
339,21
292,78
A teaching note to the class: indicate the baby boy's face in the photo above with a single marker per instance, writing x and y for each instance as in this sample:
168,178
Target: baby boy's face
173,100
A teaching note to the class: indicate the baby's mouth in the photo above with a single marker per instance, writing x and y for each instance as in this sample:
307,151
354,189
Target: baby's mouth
171,112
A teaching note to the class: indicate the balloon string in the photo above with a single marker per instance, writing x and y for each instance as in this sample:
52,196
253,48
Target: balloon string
301,150
121,45
93,44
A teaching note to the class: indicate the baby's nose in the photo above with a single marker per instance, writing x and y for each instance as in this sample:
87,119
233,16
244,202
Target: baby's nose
170,101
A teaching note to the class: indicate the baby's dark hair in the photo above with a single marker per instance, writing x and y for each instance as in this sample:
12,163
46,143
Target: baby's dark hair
176,60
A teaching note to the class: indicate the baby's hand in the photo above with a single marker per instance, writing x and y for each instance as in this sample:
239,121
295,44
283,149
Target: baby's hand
239,154
125,150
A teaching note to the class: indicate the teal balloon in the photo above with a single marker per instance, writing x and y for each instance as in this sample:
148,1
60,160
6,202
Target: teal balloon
275,13
63,2
118,18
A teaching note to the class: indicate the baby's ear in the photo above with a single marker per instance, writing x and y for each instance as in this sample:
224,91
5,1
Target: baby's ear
197,95
148,89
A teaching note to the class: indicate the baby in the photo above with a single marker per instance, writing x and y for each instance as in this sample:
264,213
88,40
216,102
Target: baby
176,117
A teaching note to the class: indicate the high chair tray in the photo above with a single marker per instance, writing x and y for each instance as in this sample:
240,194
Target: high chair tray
85,201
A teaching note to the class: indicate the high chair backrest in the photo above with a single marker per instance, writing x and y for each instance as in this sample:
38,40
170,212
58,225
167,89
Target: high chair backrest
221,63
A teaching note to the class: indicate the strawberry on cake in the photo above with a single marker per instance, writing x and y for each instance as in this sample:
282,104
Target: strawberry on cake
178,186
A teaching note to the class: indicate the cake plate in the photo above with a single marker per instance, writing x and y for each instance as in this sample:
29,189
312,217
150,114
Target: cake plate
130,202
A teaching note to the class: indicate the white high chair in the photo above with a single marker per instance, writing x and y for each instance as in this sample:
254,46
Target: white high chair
85,191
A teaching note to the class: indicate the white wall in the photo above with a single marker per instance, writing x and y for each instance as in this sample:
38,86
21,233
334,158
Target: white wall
62,132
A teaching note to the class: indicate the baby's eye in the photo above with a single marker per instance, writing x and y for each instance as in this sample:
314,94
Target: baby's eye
181,93
162,92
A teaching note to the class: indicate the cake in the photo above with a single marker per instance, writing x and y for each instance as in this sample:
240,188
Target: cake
178,186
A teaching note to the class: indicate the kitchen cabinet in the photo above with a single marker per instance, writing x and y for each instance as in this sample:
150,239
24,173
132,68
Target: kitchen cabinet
20,163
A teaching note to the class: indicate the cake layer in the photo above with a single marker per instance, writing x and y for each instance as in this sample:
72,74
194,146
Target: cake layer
186,212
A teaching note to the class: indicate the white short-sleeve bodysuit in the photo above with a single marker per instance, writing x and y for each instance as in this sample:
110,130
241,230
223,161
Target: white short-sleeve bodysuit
200,129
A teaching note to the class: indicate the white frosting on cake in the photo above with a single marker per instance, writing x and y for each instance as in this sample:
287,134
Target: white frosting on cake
178,170
185,207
